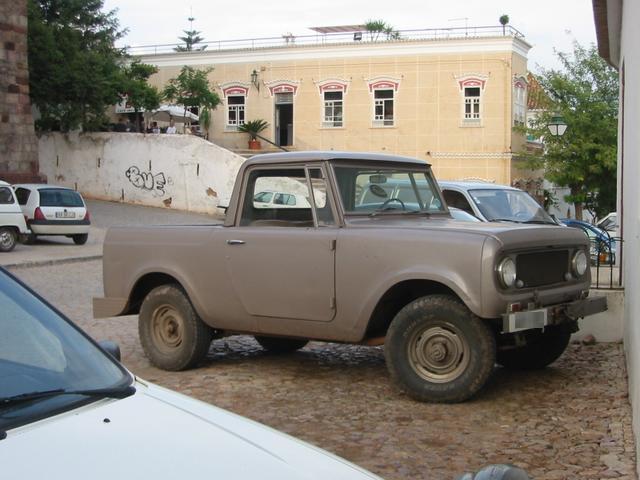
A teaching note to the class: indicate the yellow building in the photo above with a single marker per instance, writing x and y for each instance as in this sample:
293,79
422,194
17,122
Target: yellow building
450,97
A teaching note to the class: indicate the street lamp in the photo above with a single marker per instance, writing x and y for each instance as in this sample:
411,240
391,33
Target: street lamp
254,79
557,126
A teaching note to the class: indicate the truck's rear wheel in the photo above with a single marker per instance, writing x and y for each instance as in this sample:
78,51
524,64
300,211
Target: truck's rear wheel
172,334
438,351
542,349
279,344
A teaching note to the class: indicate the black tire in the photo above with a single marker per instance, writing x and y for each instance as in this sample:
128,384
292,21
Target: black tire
8,239
279,344
439,351
80,239
171,333
28,238
542,349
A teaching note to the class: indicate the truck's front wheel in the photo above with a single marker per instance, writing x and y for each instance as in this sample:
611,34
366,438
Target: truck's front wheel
542,349
172,334
438,351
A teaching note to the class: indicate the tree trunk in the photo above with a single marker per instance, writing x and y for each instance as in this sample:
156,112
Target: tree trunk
578,207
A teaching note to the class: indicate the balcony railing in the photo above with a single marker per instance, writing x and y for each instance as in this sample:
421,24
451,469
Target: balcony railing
364,37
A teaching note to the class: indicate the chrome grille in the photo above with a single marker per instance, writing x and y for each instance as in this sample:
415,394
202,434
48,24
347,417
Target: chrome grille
542,268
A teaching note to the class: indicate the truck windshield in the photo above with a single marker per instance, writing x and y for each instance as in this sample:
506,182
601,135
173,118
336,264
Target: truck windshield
373,190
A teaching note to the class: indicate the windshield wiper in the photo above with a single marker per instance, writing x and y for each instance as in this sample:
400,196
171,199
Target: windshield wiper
541,222
118,392
385,209
505,220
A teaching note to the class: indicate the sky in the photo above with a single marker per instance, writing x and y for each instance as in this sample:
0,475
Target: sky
546,24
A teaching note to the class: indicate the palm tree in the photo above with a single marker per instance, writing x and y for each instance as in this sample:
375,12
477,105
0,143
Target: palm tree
504,19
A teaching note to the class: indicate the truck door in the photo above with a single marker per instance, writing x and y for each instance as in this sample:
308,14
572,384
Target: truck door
281,257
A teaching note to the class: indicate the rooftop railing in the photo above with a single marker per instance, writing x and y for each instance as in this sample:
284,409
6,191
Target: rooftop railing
358,37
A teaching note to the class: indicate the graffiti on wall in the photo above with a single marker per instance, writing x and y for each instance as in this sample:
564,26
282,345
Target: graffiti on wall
154,183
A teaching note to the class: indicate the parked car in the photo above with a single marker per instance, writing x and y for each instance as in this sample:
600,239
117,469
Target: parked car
458,214
51,210
448,299
12,223
609,223
273,199
69,410
494,203
603,247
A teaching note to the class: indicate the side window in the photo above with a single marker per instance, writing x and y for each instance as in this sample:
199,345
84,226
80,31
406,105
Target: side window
291,205
22,194
320,200
457,200
6,196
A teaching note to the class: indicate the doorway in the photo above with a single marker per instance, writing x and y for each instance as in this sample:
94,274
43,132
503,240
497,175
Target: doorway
284,119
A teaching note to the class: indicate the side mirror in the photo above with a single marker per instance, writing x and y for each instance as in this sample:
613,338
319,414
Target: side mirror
112,348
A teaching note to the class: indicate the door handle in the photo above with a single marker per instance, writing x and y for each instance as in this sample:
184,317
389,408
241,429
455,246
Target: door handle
235,242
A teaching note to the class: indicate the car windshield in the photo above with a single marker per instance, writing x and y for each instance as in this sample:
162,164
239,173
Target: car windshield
41,352
60,197
373,190
509,205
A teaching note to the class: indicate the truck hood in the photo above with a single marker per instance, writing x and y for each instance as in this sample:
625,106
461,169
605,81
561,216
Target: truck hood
160,434
506,233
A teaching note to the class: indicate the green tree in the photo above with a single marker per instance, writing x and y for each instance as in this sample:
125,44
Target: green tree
191,38
585,94
134,85
504,19
375,28
191,88
74,66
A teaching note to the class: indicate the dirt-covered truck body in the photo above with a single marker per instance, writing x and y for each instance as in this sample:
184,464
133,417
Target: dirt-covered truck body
358,261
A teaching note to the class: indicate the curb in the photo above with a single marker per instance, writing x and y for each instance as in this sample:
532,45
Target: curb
45,263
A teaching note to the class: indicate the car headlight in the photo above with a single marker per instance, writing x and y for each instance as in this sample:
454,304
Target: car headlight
507,272
579,263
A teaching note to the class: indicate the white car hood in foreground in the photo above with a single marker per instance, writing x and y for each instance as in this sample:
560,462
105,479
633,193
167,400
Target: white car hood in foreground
158,434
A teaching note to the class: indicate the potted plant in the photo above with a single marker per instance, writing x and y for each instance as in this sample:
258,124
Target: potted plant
253,128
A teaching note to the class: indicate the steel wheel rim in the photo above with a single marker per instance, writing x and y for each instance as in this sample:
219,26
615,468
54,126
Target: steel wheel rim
6,239
167,328
438,353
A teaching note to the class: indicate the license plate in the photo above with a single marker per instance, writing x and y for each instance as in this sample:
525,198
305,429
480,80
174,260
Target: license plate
65,214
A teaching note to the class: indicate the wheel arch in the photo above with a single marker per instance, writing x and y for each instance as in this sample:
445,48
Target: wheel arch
144,285
400,294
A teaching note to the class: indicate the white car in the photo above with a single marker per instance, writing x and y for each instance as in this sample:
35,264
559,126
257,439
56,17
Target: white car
12,223
494,203
52,210
273,199
69,411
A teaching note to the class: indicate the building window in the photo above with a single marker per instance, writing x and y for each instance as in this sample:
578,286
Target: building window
332,109
235,110
519,104
472,103
383,108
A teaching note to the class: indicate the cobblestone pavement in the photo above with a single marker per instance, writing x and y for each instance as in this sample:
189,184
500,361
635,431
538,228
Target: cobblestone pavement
570,421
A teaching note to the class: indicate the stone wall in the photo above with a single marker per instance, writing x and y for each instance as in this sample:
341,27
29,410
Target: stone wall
175,171
18,143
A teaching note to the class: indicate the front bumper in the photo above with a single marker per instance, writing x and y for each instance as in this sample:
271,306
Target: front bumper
552,315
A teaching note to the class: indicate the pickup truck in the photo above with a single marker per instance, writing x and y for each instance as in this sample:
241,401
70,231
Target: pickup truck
447,299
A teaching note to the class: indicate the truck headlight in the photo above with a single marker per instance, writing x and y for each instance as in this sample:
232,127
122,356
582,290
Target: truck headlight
507,272
579,263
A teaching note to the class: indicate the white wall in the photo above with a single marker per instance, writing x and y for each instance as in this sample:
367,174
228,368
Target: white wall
607,326
629,197
177,171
